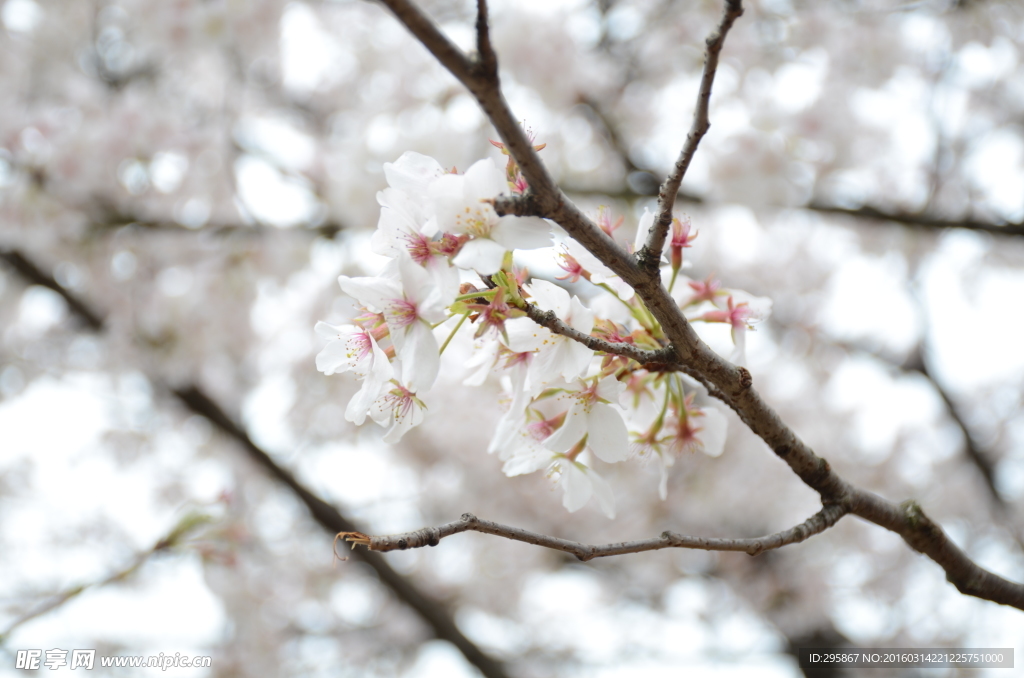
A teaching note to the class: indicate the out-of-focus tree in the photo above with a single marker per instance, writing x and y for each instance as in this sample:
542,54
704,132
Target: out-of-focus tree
182,183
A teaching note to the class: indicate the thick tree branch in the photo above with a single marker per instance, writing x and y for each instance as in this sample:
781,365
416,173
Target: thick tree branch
34,275
650,255
195,399
430,536
724,380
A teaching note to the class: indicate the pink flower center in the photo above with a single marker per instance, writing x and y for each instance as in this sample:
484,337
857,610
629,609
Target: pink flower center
402,313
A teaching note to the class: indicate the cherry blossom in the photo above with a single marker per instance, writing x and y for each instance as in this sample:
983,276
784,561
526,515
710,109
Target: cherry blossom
399,410
556,355
590,417
461,206
410,305
353,349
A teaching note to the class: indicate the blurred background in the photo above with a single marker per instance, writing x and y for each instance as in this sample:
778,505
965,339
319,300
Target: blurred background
182,182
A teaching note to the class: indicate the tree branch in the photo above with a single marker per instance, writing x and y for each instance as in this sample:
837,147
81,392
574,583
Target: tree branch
649,255
34,275
195,399
868,213
551,321
728,382
487,60
430,536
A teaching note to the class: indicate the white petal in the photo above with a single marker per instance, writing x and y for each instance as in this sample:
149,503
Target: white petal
359,405
608,437
484,181
714,427
525,335
419,356
331,332
576,484
374,293
447,198
418,287
549,297
642,229
571,431
739,353
413,172
580,318
664,461
483,255
603,493
522,233
527,460
561,357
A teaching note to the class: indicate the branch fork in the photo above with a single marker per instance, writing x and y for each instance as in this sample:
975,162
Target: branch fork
689,354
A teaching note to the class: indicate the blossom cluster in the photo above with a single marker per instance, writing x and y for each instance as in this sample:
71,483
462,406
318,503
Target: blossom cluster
450,259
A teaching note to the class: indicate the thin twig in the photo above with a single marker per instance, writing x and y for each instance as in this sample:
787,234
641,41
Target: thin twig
431,536
873,214
551,321
486,58
649,255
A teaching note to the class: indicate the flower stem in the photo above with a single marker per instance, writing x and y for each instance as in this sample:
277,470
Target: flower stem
486,294
457,326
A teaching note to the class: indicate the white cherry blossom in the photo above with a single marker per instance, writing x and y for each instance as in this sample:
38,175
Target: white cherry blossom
410,304
353,349
460,204
556,356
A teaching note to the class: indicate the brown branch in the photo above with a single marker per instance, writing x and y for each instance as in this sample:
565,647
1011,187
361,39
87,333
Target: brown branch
876,215
487,60
724,380
193,397
649,255
551,321
32,274
430,536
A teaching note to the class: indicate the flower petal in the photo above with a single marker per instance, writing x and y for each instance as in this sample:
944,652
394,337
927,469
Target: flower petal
571,431
576,484
608,437
714,427
603,493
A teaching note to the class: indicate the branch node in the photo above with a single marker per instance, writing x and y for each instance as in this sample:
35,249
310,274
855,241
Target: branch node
746,381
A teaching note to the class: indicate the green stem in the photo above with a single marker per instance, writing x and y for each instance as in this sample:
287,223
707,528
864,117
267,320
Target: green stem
486,294
457,326
672,282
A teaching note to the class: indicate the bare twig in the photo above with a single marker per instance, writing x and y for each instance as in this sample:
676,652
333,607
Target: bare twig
487,60
873,214
551,321
649,255
430,536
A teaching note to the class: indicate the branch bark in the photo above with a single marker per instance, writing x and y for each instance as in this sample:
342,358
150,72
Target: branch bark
650,255
873,214
431,536
731,384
